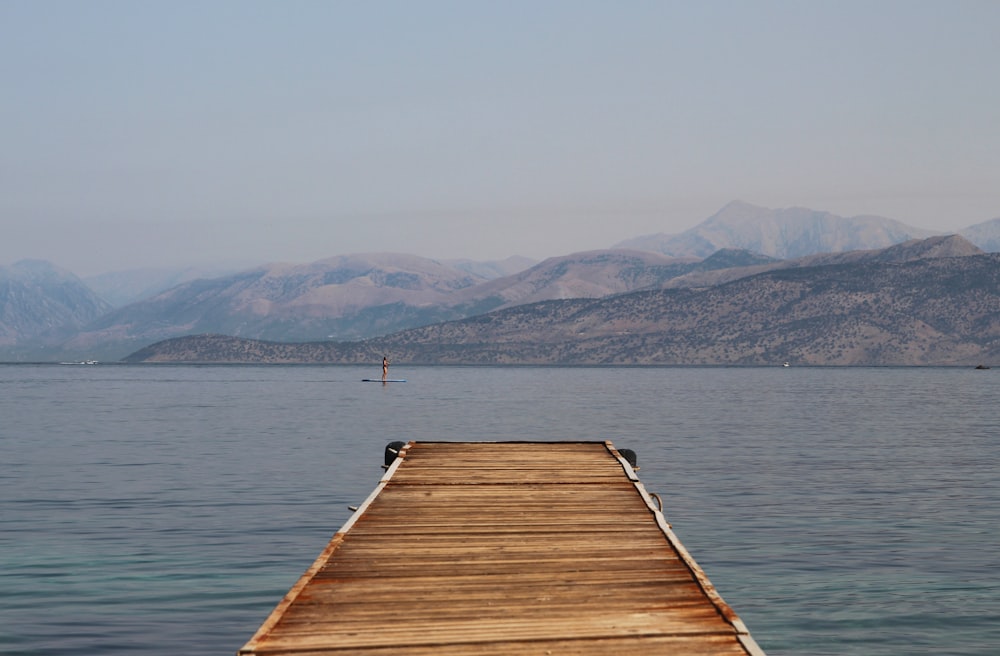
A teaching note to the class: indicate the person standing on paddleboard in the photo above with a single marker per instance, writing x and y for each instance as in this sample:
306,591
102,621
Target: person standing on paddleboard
385,368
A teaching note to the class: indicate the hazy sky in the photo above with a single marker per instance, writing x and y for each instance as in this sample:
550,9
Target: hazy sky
145,133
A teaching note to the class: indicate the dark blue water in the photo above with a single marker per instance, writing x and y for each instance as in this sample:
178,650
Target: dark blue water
167,509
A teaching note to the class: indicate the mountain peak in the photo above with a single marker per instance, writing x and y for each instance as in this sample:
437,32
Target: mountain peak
41,303
781,233
740,208
31,269
937,246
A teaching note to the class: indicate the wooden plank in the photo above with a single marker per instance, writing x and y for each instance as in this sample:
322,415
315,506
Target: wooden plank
687,646
504,548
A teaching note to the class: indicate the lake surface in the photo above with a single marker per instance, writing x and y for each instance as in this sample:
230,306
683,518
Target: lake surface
162,509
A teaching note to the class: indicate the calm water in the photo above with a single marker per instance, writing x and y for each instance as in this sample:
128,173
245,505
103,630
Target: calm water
167,509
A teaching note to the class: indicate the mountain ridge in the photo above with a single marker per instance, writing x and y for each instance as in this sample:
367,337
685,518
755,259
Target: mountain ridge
781,233
359,296
927,311
43,302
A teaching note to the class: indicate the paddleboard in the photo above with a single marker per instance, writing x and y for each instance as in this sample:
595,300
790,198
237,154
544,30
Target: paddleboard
379,380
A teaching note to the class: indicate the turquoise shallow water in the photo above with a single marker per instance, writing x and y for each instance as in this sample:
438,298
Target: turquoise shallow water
166,509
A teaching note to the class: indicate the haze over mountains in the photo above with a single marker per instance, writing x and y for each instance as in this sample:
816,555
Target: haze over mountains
359,297
892,307
42,302
781,233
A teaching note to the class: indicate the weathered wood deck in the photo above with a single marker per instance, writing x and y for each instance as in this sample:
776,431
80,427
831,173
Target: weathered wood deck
504,548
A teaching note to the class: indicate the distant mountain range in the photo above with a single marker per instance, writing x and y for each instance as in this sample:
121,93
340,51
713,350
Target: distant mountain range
781,233
360,297
119,288
898,306
41,305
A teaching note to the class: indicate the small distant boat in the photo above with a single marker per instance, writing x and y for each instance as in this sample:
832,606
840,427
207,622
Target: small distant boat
786,365
81,362
981,366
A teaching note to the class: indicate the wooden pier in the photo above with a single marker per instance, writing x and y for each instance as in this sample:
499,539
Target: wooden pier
504,548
